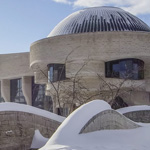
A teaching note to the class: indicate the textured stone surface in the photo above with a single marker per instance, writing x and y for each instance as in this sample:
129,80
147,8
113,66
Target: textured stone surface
107,120
15,65
17,129
139,116
96,49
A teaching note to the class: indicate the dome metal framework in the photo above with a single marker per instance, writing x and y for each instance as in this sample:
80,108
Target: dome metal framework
98,19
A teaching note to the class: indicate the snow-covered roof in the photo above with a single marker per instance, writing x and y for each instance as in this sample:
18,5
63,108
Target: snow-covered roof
98,19
30,109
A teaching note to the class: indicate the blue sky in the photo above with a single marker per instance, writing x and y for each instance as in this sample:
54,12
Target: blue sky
25,21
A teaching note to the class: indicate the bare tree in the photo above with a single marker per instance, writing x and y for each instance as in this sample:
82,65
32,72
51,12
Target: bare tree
73,92
113,92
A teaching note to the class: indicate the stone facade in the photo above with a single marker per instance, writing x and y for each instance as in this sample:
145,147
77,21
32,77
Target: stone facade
17,129
15,66
95,49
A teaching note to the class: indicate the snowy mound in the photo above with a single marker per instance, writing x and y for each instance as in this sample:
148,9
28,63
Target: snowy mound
67,136
30,109
74,122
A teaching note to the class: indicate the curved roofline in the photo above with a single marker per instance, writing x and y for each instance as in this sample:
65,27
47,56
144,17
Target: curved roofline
102,6
99,19
87,34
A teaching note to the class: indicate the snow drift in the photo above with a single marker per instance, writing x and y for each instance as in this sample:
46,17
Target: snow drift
67,136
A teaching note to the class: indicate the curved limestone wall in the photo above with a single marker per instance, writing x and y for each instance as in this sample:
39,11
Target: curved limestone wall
17,129
92,49
99,46
106,120
139,116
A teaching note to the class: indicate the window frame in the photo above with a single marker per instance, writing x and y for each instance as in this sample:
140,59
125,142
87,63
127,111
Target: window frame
19,93
129,68
56,72
39,97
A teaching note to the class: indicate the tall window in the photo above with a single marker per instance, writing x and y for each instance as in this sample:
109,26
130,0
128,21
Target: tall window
39,99
56,72
16,93
125,68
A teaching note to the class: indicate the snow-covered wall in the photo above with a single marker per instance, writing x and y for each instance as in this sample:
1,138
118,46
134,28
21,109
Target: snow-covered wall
18,123
93,116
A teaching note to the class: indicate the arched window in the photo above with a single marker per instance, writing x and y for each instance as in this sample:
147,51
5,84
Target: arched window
56,72
125,69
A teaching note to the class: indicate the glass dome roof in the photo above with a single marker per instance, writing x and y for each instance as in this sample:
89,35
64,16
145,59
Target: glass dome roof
98,19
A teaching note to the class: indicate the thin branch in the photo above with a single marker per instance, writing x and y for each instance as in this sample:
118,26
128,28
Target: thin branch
108,85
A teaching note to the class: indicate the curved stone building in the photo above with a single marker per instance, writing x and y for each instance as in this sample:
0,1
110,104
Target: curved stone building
100,52
89,51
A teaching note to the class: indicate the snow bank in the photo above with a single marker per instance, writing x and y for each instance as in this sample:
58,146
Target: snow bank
72,125
38,140
67,136
133,139
133,108
30,109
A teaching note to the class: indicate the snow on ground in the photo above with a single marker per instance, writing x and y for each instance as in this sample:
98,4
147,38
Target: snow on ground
133,139
38,140
75,121
30,109
67,136
133,108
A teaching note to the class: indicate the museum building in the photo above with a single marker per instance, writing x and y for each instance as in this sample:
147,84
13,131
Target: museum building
88,48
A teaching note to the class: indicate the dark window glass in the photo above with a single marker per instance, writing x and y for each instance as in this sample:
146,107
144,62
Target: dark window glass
39,99
56,72
1,98
125,68
63,111
115,69
16,94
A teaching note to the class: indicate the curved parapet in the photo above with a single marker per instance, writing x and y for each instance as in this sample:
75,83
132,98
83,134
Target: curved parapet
106,120
99,46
